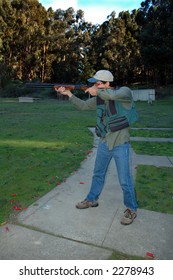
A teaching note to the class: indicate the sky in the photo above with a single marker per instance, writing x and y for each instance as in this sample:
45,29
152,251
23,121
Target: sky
95,11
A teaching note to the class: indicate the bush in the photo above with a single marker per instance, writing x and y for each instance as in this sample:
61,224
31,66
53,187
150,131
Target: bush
17,89
12,90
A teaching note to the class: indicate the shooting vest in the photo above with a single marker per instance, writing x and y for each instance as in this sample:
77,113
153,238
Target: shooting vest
112,116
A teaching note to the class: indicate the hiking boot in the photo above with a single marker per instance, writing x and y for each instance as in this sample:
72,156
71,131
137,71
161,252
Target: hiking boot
86,204
128,217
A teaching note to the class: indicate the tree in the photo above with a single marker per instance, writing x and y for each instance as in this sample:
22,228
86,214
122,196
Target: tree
116,47
60,46
28,37
72,52
7,23
22,32
156,39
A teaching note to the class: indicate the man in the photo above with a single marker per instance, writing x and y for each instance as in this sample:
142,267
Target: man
115,112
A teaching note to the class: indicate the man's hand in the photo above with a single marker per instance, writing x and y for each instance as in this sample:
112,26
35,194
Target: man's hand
92,90
62,90
98,85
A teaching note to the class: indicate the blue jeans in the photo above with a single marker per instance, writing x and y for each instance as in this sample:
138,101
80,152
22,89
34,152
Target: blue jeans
121,157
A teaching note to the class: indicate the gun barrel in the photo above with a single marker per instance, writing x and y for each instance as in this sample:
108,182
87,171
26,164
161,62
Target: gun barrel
56,86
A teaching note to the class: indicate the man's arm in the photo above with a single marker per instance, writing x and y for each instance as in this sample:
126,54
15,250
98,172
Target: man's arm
123,94
89,104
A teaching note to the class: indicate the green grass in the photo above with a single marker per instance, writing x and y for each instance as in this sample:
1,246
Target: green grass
41,144
153,148
154,188
159,115
154,185
152,133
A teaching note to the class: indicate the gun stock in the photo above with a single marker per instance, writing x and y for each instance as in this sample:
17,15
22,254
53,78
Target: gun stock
71,87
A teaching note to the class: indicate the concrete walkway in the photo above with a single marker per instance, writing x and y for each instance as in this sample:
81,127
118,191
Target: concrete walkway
52,228
166,161
149,139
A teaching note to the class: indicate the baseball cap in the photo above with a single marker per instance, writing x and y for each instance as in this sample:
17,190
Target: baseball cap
102,75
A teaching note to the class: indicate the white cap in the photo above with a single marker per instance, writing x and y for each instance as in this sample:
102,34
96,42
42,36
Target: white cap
102,75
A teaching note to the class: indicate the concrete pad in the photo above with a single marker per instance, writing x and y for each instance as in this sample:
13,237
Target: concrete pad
20,243
28,99
159,161
151,139
150,232
59,215
171,160
151,128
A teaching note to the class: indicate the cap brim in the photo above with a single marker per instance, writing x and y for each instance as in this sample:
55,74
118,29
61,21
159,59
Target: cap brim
92,80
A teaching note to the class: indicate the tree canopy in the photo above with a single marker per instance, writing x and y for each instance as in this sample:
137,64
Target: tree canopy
60,46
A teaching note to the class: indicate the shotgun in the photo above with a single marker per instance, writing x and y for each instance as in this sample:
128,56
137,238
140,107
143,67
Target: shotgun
56,86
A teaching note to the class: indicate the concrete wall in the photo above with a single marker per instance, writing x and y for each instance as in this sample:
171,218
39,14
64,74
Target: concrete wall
144,94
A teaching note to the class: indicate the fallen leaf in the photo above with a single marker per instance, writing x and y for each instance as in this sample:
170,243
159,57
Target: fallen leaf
89,152
13,194
82,183
17,208
151,255
7,228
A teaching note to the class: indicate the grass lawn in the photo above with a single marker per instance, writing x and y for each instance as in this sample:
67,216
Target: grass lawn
41,144
154,188
153,148
154,185
158,115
